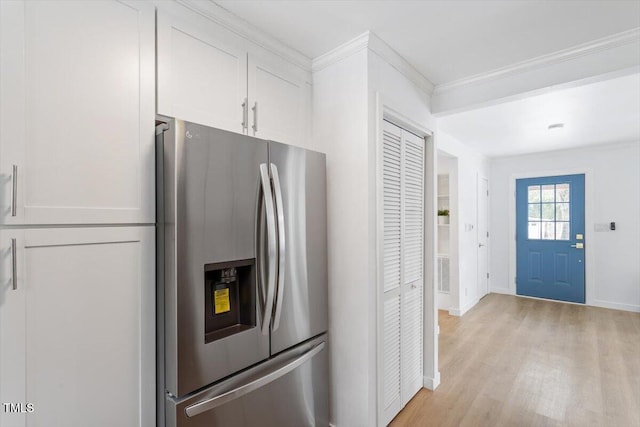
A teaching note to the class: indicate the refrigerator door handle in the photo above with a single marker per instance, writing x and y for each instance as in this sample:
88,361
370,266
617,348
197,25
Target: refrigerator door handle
271,248
281,244
214,402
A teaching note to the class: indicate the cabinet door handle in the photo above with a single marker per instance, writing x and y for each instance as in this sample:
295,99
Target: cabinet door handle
14,190
14,265
255,117
245,114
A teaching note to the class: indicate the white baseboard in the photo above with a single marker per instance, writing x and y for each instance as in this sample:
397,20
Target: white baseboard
595,303
506,291
463,310
616,305
432,383
455,312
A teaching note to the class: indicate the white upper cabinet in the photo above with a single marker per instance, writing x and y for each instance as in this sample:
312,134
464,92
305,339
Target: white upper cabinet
212,76
200,78
76,112
278,101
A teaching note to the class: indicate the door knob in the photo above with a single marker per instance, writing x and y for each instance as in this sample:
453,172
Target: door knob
578,246
480,245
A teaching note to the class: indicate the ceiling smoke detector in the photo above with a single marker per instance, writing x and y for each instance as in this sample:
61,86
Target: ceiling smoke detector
556,126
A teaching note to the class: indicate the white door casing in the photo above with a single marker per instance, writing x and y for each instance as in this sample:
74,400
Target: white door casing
483,237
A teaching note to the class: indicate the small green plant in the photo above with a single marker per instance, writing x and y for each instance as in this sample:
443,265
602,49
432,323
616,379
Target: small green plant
443,212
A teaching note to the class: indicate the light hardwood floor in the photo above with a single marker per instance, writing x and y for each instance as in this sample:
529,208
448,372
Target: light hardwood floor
514,361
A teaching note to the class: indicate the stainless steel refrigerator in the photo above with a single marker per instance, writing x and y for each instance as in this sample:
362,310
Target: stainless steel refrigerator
242,280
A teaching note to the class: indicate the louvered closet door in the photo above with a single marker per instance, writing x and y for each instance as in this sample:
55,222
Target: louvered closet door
392,256
402,265
413,242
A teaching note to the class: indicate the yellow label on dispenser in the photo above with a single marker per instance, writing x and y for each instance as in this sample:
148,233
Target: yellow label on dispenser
221,301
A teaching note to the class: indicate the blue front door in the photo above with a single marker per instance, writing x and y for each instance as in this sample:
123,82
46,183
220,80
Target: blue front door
550,237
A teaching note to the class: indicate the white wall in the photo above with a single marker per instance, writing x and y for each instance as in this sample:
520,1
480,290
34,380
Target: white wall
463,229
340,131
612,193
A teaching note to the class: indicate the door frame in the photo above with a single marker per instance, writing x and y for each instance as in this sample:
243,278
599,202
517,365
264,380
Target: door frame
480,177
588,220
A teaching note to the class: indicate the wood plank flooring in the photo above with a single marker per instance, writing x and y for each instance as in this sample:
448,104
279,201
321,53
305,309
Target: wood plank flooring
514,361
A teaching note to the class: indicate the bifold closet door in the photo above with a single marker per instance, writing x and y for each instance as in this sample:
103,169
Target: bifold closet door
412,264
402,267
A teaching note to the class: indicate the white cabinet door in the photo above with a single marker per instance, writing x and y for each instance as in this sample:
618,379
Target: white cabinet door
278,101
77,336
12,328
77,85
201,79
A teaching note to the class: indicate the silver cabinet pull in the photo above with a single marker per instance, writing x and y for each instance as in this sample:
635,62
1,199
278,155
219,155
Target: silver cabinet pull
271,247
281,244
14,191
14,266
255,117
245,114
214,402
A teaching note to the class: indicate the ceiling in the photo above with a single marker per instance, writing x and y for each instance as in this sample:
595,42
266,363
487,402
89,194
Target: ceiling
444,40
598,113
451,40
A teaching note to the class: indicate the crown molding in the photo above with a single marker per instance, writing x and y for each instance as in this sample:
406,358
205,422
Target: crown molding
341,52
595,46
393,58
221,16
369,40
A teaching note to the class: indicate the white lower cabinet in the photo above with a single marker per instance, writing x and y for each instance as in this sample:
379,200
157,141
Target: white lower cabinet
77,327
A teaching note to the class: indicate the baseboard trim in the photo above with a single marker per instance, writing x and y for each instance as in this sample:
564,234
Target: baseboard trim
595,303
432,383
505,291
463,310
616,305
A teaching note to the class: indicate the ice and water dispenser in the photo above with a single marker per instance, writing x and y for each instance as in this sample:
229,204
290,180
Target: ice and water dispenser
230,298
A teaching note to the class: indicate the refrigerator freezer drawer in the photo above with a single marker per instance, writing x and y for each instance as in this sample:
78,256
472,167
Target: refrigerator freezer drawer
289,390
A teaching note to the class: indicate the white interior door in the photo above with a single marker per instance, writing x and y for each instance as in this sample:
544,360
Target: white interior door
77,111
402,277
483,237
412,264
392,272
